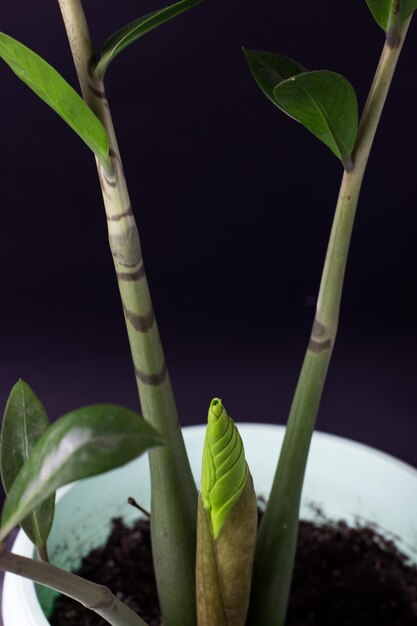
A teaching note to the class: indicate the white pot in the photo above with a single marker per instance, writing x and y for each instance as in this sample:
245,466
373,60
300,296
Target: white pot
344,479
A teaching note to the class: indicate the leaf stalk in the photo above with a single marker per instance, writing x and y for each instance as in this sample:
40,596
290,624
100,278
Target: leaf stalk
174,494
277,537
92,596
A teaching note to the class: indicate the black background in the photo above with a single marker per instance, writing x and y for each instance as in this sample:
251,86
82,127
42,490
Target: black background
234,203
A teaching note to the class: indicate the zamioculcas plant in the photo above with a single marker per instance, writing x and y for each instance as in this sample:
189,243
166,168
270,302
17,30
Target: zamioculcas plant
213,567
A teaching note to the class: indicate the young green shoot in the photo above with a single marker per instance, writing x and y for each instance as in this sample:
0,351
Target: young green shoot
227,520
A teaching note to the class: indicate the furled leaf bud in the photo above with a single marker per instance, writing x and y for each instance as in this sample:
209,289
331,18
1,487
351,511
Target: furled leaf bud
226,530
224,467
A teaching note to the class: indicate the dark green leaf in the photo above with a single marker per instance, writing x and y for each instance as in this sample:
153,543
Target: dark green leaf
45,81
387,11
322,101
269,69
325,103
381,10
407,7
24,422
133,31
82,443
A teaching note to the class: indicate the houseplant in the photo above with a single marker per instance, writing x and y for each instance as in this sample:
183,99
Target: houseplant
144,318
357,487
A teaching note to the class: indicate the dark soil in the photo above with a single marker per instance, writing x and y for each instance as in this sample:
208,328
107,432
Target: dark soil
343,577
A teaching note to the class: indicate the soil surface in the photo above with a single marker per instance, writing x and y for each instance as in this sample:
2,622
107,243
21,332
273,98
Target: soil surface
343,577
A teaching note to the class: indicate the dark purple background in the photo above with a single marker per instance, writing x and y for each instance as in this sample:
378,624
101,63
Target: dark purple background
234,203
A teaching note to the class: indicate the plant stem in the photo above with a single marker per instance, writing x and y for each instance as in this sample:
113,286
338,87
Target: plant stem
277,537
43,553
92,596
174,494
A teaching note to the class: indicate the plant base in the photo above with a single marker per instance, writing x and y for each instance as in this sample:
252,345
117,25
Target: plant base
364,485
343,577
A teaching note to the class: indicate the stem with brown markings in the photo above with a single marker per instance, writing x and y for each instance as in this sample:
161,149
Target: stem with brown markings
275,550
174,495
95,597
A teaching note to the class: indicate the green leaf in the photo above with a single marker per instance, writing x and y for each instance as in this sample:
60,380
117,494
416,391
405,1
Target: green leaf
133,31
225,470
24,422
45,81
381,10
387,12
269,69
325,103
83,443
407,7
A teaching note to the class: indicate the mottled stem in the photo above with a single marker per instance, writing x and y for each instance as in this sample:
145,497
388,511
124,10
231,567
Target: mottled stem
95,597
277,536
174,494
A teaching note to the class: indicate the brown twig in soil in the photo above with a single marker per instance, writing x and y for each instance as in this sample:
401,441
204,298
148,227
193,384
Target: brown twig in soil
133,502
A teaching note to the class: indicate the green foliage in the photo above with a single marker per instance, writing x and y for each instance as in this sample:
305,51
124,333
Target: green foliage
407,7
225,470
83,443
388,12
36,460
381,10
24,422
322,101
133,31
269,69
325,103
49,85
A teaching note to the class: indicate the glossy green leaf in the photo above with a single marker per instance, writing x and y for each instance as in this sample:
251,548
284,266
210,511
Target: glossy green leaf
269,69
82,443
49,85
387,11
24,422
225,471
326,104
133,31
381,10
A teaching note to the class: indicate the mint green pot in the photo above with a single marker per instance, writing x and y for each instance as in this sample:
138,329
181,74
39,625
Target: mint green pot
344,479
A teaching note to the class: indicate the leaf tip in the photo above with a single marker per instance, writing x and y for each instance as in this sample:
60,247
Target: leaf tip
216,409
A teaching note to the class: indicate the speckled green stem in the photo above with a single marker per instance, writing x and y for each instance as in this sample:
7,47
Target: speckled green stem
174,494
275,550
